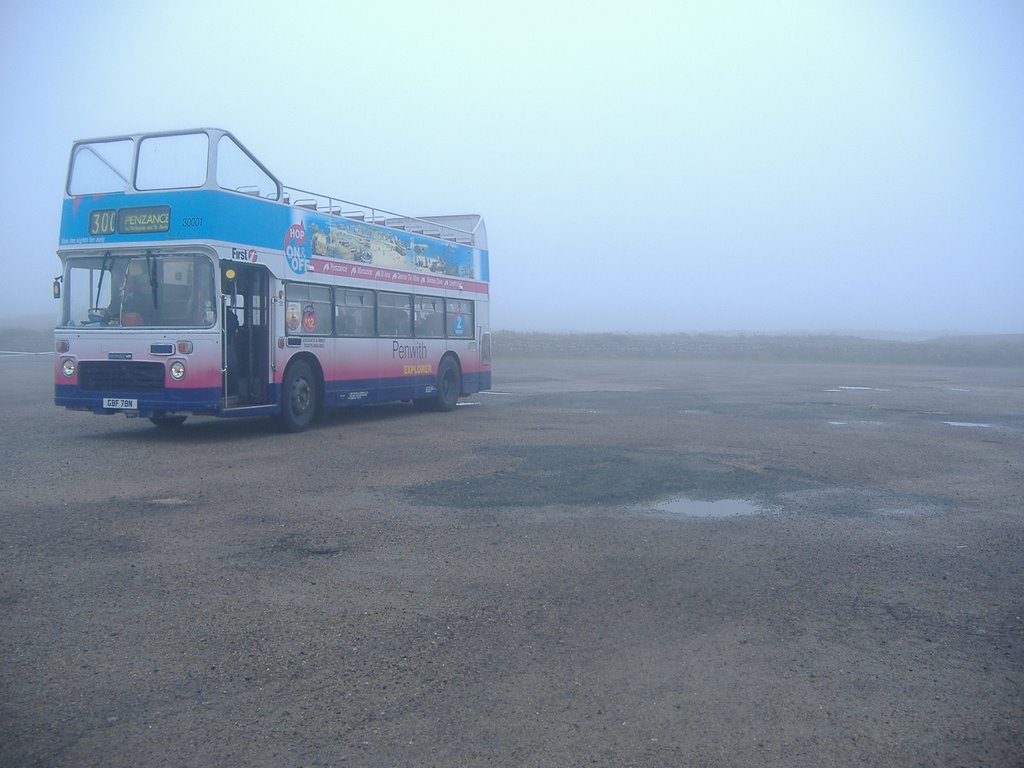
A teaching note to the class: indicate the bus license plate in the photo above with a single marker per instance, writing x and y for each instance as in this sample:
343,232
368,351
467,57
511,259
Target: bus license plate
121,403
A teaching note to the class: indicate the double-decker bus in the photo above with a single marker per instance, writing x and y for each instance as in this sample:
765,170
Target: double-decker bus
194,282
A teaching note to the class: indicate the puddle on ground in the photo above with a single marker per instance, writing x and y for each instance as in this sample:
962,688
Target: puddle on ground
169,502
856,423
857,389
721,508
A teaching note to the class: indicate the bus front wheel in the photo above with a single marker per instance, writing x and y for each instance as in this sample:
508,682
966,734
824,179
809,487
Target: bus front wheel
298,397
167,422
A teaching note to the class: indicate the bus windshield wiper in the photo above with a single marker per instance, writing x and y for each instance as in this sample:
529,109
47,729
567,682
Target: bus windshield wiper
151,267
104,265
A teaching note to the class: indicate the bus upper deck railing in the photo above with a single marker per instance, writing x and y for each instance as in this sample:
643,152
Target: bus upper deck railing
440,227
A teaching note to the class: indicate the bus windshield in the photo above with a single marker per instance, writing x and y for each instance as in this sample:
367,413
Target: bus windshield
139,290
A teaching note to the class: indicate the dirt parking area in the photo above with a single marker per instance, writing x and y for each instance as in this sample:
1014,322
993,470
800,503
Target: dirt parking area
598,563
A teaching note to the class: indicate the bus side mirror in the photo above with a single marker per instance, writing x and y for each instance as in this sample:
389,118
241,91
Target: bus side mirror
56,287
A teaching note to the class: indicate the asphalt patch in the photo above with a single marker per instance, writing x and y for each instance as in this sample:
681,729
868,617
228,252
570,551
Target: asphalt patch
601,475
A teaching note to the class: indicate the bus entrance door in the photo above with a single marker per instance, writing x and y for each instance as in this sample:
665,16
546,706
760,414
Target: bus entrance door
246,362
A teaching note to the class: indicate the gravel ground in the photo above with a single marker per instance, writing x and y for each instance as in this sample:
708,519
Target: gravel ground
529,581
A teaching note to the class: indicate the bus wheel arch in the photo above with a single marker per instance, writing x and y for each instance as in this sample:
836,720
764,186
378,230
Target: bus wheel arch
302,391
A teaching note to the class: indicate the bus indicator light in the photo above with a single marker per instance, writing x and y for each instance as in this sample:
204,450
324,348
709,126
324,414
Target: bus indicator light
63,346
185,347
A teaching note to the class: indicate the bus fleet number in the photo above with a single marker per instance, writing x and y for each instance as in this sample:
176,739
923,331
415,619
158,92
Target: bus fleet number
192,221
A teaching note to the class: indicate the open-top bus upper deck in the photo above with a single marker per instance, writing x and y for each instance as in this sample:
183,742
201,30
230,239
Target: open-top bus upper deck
204,185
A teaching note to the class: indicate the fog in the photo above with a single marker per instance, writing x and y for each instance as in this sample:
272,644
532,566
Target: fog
647,166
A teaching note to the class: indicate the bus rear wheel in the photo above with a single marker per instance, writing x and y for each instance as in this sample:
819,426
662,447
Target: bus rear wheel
298,397
449,387
449,384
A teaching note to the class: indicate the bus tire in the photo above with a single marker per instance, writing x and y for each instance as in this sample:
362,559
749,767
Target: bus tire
449,384
165,422
299,394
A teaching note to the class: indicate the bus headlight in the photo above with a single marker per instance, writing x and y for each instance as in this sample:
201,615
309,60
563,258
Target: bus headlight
177,370
67,367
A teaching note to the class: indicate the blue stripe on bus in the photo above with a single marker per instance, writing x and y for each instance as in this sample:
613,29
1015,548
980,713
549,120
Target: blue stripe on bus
354,392
209,215
205,400
208,400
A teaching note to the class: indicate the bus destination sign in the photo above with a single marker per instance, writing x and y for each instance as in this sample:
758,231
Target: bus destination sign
130,221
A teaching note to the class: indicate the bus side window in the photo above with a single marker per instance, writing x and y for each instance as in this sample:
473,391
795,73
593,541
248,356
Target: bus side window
354,312
460,319
344,323
308,310
395,314
429,317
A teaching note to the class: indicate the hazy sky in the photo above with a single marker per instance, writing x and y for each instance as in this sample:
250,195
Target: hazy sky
641,166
